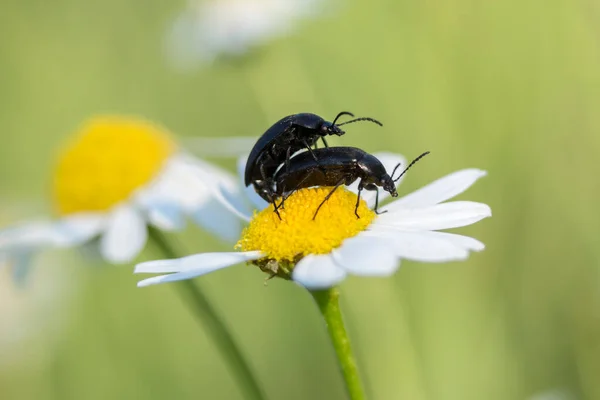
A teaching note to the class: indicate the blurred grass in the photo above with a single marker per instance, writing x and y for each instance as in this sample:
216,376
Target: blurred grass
511,87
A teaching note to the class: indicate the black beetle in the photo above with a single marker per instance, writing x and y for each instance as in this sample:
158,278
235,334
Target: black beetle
337,166
287,136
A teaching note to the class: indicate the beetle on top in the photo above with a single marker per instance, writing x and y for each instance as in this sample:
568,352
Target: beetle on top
277,165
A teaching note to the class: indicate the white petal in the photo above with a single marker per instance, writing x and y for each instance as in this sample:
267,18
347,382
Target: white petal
251,194
366,256
441,216
438,191
215,218
68,231
29,235
316,272
208,172
166,216
420,246
191,186
465,242
79,228
125,235
192,266
181,183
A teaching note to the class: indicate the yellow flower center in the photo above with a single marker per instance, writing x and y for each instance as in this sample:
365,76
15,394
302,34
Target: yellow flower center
108,159
297,234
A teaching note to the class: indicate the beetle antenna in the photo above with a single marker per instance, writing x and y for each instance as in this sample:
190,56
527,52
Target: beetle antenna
340,114
413,162
395,168
362,119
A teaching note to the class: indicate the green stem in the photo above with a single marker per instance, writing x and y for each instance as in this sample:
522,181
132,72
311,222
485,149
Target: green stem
328,302
215,327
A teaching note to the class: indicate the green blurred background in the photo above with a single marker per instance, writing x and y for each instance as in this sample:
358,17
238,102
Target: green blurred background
509,86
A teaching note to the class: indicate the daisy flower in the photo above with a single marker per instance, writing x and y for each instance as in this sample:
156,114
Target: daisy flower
116,176
320,253
208,29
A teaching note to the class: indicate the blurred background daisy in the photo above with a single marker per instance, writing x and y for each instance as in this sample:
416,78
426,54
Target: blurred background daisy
207,30
508,87
114,177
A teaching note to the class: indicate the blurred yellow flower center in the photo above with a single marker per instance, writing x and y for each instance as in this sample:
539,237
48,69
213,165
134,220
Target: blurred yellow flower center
296,234
107,160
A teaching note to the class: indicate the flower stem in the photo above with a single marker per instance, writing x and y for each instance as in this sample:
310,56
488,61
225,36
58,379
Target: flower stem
215,327
328,302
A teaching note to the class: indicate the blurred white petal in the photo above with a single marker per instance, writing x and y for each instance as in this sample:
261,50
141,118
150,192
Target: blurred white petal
206,171
234,204
258,202
216,219
180,183
189,185
29,235
125,235
78,228
68,231
166,216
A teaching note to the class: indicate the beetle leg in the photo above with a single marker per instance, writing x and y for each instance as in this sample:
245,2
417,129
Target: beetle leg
276,210
310,150
314,155
377,204
324,141
360,189
283,199
337,185
276,207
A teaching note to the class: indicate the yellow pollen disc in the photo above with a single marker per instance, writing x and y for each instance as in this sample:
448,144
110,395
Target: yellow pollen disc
106,161
297,234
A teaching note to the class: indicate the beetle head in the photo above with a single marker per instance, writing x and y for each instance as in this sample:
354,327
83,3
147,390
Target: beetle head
388,185
385,182
329,128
